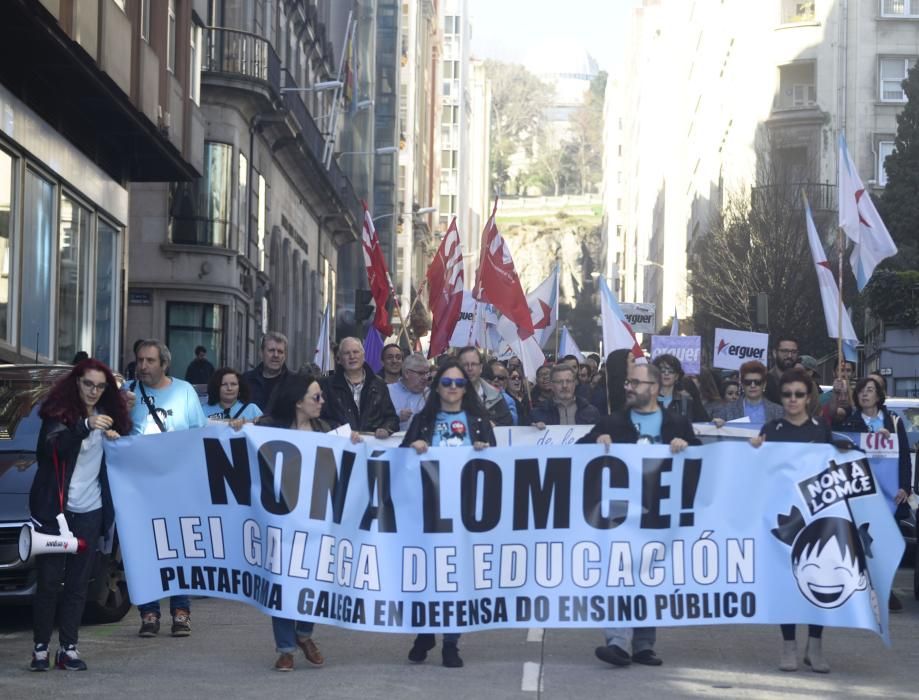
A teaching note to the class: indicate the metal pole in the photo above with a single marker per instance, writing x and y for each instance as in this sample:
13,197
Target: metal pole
333,119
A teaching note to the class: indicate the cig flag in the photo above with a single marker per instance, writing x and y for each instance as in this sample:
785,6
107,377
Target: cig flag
617,333
567,346
445,290
829,292
496,280
543,303
860,220
323,355
377,274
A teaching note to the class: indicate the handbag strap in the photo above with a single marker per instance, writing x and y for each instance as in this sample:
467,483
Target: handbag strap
148,402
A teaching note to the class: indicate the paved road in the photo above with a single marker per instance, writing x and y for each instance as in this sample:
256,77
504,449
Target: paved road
231,652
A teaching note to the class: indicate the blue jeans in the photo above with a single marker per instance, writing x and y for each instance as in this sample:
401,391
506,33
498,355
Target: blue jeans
287,631
635,638
176,602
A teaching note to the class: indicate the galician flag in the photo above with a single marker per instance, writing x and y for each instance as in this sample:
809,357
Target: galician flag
829,291
323,355
567,346
617,333
543,303
860,220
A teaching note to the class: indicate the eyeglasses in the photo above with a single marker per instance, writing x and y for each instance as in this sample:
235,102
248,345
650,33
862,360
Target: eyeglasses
752,382
317,398
636,382
787,351
447,382
89,386
420,373
794,394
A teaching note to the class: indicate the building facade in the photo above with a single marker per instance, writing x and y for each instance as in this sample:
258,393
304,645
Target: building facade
94,95
255,243
708,88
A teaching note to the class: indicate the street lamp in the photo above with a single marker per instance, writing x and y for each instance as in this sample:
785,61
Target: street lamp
382,151
318,87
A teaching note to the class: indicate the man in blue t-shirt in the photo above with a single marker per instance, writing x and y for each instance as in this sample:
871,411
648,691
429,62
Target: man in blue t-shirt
641,422
162,404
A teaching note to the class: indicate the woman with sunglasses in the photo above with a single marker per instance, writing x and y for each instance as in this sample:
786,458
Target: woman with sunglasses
517,392
753,404
673,395
868,415
228,397
452,416
797,425
84,407
296,404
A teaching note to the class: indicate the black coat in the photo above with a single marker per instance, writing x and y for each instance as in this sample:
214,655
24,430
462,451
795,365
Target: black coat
422,428
375,410
548,413
45,495
854,423
261,388
620,428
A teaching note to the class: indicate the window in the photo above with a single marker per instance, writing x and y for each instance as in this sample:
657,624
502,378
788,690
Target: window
797,86
893,72
242,201
171,38
106,293
200,211
194,63
900,8
189,325
451,24
73,273
885,148
37,265
145,20
795,11
262,220
7,217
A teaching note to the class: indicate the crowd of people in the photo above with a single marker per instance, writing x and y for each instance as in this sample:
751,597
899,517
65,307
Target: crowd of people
457,400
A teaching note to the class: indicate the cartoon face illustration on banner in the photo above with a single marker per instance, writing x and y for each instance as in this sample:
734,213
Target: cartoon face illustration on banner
828,557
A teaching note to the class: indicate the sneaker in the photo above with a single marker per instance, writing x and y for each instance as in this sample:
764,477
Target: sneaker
285,662
149,625
647,657
419,651
39,658
310,651
181,623
450,656
617,656
68,659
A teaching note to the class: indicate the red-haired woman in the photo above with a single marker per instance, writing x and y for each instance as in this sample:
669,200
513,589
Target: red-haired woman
82,408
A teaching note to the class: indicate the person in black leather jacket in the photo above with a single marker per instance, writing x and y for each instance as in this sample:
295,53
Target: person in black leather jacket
357,396
84,407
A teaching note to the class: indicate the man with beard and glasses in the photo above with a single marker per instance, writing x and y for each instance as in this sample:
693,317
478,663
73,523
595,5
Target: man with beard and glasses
784,357
642,421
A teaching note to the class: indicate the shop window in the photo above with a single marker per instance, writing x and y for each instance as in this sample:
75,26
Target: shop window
189,325
37,265
73,273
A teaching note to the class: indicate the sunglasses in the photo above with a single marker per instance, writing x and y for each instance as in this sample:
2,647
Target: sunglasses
500,377
752,382
795,394
317,398
667,370
447,382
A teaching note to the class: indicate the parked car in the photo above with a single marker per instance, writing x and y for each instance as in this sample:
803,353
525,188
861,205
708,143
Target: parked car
908,410
22,388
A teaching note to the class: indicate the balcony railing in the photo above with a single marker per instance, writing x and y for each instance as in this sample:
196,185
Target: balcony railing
237,53
822,196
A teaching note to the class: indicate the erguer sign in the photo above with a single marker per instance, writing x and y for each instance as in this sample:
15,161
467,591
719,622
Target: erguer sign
642,317
733,348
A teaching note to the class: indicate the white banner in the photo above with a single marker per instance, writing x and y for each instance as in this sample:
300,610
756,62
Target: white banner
733,348
642,317
310,526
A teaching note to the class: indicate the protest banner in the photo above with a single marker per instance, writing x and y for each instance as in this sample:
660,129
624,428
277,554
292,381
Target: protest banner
686,348
642,317
733,348
311,526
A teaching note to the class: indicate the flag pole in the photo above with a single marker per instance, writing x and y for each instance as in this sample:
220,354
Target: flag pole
558,321
398,309
840,246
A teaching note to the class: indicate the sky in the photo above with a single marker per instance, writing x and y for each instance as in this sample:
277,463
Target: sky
513,30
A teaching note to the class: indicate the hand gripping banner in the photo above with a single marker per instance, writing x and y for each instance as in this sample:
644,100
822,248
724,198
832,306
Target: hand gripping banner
309,526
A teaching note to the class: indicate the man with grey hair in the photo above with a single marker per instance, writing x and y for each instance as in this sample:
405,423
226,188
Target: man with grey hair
270,372
162,404
564,407
411,391
356,396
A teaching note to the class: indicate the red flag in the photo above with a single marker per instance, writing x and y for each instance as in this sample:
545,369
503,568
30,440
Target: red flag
377,274
496,280
445,289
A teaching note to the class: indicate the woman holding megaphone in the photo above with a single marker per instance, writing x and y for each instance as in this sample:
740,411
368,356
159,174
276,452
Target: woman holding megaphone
70,500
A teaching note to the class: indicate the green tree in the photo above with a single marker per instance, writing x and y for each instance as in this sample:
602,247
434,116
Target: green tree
518,101
900,200
583,150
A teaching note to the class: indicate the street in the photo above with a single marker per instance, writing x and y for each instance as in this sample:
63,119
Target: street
231,653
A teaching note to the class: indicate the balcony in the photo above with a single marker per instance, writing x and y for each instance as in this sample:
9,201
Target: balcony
822,196
237,54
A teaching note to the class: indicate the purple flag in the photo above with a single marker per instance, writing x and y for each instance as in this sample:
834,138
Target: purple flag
373,349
